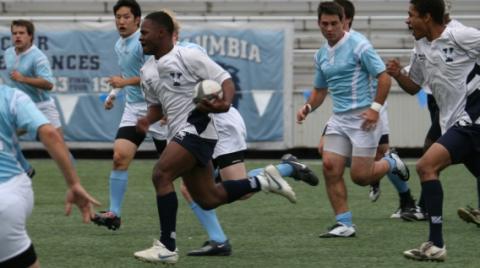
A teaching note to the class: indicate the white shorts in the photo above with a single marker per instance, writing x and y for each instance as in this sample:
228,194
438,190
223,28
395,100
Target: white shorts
383,120
232,132
349,125
16,204
49,109
131,114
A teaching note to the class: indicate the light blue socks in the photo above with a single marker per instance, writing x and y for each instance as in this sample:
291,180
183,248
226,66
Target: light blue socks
398,183
345,218
118,187
285,170
209,221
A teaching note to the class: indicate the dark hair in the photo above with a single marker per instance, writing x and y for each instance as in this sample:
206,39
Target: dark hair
24,23
330,8
436,9
349,9
132,4
161,18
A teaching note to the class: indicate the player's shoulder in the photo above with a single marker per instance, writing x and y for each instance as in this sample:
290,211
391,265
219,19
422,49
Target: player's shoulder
150,62
10,50
38,55
320,52
187,44
460,32
6,90
357,40
12,95
189,50
357,35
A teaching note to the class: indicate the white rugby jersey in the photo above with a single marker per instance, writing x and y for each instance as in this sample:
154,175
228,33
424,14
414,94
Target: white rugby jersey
416,66
446,65
170,80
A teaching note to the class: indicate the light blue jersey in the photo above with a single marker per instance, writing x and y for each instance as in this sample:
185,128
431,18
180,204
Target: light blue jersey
17,111
130,59
346,69
31,63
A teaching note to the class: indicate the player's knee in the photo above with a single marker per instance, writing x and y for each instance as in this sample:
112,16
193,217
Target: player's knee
206,203
160,177
424,170
360,179
327,165
120,160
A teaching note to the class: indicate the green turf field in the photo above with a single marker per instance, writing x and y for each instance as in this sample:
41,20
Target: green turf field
265,231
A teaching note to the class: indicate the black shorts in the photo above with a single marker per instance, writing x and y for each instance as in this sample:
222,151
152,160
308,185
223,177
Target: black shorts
130,133
200,148
225,160
384,139
463,145
434,132
24,259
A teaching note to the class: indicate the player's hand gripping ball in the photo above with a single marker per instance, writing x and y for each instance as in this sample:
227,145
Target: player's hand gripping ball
207,89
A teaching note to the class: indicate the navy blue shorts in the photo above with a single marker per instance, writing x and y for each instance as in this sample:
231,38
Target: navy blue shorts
463,144
434,132
200,148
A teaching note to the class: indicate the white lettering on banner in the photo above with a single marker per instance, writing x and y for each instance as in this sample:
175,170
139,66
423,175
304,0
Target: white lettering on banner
100,84
61,84
228,47
64,84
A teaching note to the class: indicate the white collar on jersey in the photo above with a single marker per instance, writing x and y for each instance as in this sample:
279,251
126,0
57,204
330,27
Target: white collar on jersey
125,39
26,51
340,42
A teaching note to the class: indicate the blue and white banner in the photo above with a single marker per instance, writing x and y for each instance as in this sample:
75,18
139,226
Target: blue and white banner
259,57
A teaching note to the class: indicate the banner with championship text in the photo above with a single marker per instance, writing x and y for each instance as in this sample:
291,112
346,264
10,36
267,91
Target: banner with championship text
259,58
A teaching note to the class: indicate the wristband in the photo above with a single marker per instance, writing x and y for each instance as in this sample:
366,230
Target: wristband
308,107
113,92
376,107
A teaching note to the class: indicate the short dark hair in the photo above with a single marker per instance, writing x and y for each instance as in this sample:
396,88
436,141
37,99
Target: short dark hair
24,23
436,9
132,4
161,18
348,8
330,8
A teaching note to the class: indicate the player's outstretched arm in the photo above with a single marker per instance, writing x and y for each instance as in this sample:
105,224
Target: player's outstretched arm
76,194
314,101
394,69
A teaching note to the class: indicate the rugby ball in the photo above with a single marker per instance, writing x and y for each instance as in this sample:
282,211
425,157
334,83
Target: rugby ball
207,89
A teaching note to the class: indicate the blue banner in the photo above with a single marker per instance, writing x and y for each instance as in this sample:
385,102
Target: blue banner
82,58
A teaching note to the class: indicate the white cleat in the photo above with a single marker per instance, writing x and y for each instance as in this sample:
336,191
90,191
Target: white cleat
339,230
427,252
158,253
374,192
400,169
271,181
397,214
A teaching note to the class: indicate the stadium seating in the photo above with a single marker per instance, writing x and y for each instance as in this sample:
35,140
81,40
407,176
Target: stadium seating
382,21
221,7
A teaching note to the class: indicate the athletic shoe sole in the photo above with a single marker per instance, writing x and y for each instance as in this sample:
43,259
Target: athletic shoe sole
467,216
